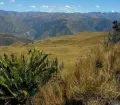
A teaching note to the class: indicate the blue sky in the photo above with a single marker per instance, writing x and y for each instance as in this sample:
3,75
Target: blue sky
61,5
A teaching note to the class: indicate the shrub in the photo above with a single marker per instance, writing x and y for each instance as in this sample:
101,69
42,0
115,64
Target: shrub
114,37
21,77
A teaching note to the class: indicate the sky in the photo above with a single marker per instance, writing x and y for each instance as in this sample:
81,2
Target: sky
69,6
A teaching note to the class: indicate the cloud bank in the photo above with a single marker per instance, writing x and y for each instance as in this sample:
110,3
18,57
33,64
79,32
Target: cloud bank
2,3
66,8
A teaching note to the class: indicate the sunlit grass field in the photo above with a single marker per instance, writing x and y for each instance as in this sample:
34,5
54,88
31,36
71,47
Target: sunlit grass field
66,48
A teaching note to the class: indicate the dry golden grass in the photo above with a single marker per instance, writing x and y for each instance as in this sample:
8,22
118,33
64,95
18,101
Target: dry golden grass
65,48
93,80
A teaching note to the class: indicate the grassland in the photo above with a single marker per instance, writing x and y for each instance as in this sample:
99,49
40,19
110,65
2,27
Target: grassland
66,48
90,75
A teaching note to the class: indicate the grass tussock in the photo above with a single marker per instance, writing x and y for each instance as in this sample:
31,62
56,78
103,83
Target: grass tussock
95,80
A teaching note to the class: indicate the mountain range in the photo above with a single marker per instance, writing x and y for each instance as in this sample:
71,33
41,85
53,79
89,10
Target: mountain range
41,25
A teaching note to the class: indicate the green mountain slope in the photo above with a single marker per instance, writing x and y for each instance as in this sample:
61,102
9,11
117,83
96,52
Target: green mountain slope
40,25
15,26
7,39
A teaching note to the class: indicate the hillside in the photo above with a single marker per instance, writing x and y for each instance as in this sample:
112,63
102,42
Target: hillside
65,48
8,39
41,25
12,25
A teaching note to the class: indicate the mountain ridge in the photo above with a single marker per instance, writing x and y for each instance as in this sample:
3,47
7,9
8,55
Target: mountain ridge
41,25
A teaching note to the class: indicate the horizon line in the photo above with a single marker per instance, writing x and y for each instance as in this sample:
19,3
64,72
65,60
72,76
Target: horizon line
58,12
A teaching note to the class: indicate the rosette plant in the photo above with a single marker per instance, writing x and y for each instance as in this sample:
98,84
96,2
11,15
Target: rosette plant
20,77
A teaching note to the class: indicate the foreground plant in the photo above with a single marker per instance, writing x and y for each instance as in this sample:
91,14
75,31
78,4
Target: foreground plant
20,78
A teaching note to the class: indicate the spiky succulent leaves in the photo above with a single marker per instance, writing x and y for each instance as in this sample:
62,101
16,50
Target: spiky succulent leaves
50,67
20,77
40,69
6,73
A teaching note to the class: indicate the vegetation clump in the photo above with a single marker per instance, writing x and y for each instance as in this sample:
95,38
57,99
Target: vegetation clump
20,78
114,37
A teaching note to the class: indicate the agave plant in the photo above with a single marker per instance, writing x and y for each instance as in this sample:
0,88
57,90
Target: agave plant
21,77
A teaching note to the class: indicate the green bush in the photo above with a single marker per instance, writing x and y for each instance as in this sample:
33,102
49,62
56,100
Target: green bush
21,77
114,36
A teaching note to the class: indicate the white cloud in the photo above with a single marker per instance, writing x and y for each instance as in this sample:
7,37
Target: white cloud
2,3
97,6
113,11
12,1
46,7
67,6
33,6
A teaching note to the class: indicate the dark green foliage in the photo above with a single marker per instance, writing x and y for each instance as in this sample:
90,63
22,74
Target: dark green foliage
20,78
114,37
116,33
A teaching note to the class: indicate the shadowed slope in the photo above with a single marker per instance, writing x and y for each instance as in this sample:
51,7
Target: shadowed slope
8,39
